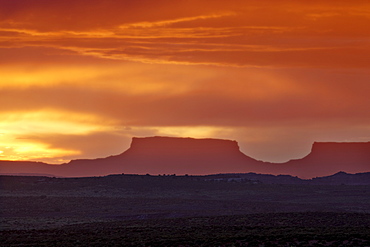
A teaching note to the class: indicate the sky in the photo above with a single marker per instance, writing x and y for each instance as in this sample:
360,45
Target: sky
80,78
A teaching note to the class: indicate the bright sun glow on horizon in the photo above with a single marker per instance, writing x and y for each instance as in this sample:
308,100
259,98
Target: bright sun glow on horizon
24,133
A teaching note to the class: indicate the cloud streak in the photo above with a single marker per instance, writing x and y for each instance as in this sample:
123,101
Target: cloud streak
169,22
321,36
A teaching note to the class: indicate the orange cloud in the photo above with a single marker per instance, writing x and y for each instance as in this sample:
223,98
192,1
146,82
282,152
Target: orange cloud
251,71
170,22
321,35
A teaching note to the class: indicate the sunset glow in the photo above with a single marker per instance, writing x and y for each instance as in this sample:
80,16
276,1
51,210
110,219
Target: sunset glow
79,79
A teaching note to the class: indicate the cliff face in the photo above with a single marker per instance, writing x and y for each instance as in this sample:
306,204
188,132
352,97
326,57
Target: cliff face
329,157
182,147
184,155
339,150
168,155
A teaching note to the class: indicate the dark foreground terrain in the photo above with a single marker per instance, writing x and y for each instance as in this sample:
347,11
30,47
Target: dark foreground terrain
126,210
276,229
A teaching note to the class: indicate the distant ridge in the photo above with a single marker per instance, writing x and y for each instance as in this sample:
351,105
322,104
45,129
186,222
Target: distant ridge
340,178
27,174
335,179
344,178
171,155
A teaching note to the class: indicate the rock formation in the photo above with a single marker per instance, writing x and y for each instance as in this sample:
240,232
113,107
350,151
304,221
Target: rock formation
327,158
168,155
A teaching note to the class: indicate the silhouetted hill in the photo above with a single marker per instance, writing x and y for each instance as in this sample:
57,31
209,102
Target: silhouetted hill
257,178
344,178
168,155
340,178
27,167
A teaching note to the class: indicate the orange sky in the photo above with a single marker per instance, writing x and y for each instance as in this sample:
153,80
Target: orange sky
79,78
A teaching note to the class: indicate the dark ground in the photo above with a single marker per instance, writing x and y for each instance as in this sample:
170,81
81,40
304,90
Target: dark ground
125,210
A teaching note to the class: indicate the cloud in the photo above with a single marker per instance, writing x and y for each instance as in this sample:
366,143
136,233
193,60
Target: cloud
169,22
222,34
73,74
159,95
